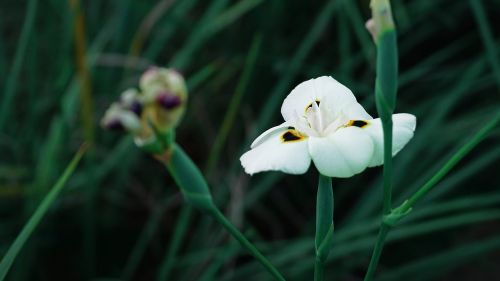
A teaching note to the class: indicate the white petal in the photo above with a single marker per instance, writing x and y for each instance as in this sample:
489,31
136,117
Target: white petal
403,128
325,89
343,153
271,153
264,136
355,111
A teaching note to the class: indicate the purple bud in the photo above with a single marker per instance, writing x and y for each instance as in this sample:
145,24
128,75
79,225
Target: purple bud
136,107
114,125
168,100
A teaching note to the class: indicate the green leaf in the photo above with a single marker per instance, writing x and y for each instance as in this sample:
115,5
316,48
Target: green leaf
37,216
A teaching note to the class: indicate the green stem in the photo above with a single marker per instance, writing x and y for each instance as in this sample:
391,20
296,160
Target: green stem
387,128
377,251
11,84
175,242
399,212
38,215
459,155
324,224
384,227
245,243
319,271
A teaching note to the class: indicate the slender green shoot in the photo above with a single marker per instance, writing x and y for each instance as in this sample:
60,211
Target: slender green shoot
324,225
37,216
234,105
385,97
450,164
175,242
245,243
11,84
391,219
83,72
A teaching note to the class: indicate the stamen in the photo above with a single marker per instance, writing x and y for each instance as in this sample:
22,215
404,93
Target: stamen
311,104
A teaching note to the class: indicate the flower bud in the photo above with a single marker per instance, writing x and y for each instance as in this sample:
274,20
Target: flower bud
165,93
131,100
118,118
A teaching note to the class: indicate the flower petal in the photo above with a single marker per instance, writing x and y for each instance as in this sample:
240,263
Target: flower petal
342,154
403,128
326,92
278,149
264,136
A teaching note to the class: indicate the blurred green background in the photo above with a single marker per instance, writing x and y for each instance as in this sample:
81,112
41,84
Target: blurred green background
121,217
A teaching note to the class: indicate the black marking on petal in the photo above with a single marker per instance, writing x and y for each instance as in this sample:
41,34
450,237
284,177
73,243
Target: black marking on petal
291,135
311,104
358,123
291,128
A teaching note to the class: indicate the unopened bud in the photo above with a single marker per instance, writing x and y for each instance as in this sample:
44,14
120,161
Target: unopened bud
372,28
168,100
165,93
118,118
131,100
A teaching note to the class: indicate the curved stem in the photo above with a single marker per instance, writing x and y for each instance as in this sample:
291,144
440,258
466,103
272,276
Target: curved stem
216,213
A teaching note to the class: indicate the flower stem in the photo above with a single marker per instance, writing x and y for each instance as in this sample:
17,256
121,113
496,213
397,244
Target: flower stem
385,98
459,155
324,225
387,128
384,227
216,213
377,251
319,272
396,214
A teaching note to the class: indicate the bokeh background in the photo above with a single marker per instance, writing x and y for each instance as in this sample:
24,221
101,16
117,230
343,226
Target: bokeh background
62,62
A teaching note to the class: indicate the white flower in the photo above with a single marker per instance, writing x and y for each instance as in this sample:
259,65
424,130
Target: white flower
324,123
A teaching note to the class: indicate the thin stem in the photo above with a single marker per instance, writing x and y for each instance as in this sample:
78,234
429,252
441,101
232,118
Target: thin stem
319,271
11,83
387,128
216,213
377,251
82,71
175,243
407,205
384,227
324,224
39,214
459,155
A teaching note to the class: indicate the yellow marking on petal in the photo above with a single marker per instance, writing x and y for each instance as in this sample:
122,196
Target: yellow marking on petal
357,123
292,136
311,105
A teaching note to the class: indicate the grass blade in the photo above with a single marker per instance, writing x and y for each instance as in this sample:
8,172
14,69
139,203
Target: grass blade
35,219
11,84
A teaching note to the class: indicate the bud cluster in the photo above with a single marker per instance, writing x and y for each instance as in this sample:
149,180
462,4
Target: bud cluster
151,112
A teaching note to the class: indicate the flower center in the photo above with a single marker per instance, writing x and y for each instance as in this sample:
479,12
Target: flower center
317,120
